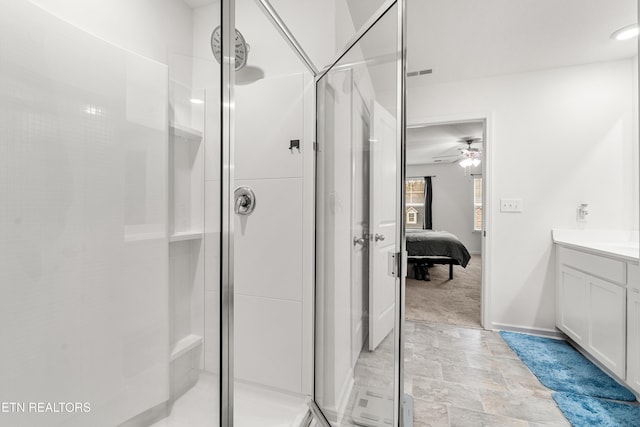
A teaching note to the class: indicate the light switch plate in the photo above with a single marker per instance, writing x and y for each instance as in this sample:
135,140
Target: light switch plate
510,205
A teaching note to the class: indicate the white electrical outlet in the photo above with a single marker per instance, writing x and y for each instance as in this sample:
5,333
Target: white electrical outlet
510,205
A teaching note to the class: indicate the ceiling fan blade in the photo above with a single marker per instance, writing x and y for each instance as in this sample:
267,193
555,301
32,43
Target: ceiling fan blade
444,157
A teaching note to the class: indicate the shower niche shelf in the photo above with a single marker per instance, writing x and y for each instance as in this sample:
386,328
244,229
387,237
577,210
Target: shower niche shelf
185,235
185,345
184,133
186,255
186,192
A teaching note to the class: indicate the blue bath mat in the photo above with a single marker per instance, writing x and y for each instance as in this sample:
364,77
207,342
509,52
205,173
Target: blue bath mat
561,368
586,411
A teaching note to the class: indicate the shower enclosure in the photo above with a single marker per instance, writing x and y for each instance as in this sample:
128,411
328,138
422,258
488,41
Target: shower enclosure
174,246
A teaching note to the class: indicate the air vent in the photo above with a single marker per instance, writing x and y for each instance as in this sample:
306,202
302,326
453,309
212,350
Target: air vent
419,73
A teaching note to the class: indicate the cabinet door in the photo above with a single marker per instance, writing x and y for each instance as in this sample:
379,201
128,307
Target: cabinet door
607,324
572,304
633,338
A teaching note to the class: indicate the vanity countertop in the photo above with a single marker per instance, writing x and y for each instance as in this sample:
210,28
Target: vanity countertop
621,244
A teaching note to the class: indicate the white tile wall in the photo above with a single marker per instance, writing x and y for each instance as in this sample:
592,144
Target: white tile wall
267,341
269,113
269,281
268,242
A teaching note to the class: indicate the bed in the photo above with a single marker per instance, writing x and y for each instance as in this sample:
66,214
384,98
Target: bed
428,247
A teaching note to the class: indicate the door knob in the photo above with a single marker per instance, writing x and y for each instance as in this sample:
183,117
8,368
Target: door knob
358,241
379,237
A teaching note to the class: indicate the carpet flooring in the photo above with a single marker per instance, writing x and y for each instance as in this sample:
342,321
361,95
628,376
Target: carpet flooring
451,302
562,368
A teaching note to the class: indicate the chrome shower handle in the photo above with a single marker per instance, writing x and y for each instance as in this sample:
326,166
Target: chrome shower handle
245,200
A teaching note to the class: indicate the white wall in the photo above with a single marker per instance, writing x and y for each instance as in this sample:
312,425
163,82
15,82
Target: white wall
559,137
157,29
452,201
312,23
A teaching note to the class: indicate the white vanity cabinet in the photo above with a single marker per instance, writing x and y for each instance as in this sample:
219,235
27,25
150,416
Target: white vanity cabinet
633,328
591,305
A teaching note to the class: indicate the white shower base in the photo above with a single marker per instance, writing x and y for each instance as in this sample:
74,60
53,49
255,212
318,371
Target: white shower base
254,406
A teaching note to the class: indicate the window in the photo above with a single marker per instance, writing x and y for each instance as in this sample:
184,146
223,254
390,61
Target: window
412,216
477,204
414,202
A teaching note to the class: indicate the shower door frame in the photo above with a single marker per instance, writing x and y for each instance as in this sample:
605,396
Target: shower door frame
315,410
227,148
227,143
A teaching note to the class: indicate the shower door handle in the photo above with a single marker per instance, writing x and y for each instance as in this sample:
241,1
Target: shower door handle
245,200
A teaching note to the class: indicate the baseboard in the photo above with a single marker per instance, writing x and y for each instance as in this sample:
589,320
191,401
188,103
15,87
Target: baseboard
337,410
541,332
345,393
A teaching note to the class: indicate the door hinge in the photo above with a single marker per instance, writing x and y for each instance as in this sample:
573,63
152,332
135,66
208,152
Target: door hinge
315,146
395,260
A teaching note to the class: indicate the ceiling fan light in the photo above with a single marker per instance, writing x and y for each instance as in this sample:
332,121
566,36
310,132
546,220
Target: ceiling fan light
475,162
465,163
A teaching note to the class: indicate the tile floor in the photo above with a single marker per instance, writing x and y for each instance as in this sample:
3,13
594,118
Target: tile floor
467,377
460,377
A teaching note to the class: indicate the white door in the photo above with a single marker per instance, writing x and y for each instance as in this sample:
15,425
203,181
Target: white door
383,217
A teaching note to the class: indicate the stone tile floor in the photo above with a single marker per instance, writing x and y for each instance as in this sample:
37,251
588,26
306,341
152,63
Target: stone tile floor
462,377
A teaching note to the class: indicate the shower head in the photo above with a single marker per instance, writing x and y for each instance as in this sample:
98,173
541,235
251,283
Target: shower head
241,48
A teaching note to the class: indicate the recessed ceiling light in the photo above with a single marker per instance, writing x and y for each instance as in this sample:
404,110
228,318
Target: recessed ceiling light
196,101
626,33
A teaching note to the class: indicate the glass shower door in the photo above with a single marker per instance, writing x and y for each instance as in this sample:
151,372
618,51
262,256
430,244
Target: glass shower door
106,108
359,231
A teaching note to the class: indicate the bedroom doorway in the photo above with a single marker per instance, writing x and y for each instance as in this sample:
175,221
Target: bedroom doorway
444,207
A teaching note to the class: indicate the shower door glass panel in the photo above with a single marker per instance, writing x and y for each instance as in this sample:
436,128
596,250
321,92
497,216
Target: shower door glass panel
102,193
358,228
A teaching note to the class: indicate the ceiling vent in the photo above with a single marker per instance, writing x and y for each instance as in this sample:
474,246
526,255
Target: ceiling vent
419,73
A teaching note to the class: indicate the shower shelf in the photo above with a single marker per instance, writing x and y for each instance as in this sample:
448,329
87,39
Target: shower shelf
185,235
185,344
185,132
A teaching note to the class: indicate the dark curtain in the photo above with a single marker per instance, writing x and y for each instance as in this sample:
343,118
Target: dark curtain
428,198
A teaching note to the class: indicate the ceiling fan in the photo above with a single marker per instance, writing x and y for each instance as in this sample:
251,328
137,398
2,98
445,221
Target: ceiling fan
471,156
462,151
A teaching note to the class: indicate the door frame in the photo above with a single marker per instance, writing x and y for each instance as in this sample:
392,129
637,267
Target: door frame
364,158
486,318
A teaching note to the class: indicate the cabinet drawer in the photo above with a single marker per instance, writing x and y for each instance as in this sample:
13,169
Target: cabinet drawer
606,268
